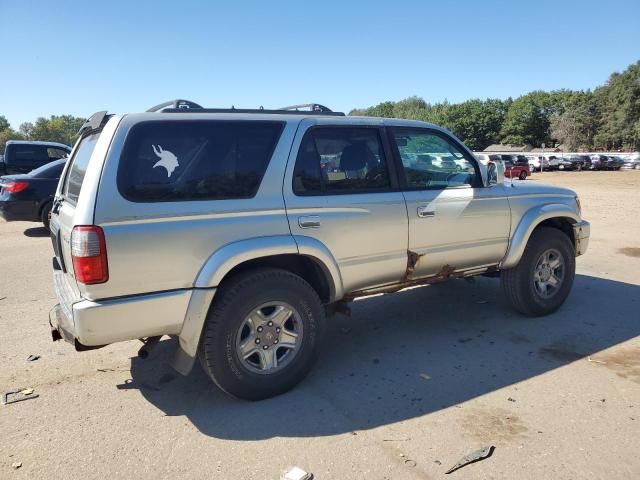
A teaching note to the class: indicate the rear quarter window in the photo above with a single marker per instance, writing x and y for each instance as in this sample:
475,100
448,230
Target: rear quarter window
166,161
79,162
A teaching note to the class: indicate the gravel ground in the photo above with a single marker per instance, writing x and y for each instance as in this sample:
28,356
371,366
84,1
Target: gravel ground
407,385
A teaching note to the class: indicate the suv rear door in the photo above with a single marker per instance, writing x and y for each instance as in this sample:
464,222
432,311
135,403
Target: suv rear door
74,202
340,189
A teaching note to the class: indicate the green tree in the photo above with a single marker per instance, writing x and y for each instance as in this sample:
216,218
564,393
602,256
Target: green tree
4,123
619,103
7,133
63,129
528,119
476,122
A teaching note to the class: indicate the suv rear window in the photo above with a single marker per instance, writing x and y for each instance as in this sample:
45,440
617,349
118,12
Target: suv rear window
75,176
196,160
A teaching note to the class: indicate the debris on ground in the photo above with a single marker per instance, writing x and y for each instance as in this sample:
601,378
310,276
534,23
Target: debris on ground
16,465
595,361
33,358
473,457
482,302
511,399
297,474
405,439
437,462
18,395
410,463
424,376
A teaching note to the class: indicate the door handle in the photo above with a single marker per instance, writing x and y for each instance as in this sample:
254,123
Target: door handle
426,211
310,221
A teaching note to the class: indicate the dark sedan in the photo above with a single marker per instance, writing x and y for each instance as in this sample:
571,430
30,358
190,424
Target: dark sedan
28,197
570,163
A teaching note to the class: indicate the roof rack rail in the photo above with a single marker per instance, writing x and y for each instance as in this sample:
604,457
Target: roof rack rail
186,106
313,107
175,104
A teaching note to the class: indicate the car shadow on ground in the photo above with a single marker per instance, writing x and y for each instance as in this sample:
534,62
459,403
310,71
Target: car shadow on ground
405,355
36,232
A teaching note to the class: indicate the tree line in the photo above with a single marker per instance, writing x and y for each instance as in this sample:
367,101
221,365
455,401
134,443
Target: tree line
57,128
606,118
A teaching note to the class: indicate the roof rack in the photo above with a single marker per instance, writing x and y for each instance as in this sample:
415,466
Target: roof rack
186,106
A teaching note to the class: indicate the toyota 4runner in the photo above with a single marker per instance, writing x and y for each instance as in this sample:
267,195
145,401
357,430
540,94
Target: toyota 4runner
238,231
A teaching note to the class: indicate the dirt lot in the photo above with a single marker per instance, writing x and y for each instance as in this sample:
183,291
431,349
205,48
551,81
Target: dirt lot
408,385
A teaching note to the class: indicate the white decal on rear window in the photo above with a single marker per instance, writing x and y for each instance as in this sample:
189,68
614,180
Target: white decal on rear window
167,159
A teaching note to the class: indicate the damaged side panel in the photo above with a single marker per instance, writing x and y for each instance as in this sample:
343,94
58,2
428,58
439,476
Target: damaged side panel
447,272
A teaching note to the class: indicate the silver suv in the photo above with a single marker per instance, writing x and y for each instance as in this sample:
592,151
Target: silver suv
239,231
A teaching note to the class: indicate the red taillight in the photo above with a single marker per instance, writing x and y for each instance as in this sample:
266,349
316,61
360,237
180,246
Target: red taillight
89,254
15,187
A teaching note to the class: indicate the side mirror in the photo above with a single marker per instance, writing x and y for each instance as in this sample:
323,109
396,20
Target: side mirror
495,173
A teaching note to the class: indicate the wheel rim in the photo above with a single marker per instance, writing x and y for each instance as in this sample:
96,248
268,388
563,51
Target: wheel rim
269,337
549,273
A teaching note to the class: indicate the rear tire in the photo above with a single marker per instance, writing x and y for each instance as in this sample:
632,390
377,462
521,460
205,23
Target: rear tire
45,214
247,349
523,175
529,285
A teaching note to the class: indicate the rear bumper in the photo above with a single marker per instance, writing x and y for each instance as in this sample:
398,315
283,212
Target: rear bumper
87,323
19,210
581,232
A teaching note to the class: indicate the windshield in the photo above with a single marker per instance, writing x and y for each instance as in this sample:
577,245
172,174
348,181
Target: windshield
78,168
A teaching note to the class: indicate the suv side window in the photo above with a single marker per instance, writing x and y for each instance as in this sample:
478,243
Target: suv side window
172,161
341,160
432,161
56,153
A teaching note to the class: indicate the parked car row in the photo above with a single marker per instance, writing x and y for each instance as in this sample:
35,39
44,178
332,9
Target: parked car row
30,173
555,162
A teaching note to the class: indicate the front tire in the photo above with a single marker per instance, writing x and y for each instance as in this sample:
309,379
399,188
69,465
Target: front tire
262,334
542,280
523,175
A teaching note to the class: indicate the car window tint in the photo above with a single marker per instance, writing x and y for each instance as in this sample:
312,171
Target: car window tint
79,163
196,160
431,160
335,160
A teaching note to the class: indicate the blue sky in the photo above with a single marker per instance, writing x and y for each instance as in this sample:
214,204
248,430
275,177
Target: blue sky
124,56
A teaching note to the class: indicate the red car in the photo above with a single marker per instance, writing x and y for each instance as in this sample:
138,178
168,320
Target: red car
513,169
